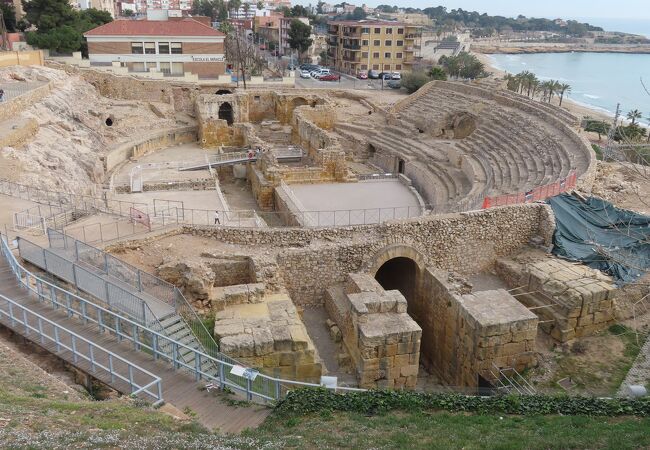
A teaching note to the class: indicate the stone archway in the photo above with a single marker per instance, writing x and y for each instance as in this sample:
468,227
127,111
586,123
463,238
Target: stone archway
226,113
399,274
223,92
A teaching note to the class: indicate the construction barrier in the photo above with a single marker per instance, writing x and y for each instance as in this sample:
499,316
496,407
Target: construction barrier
138,216
537,194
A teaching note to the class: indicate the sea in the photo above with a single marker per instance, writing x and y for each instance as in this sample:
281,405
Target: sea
598,80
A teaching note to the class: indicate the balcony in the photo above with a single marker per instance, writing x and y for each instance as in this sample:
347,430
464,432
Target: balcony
351,58
349,46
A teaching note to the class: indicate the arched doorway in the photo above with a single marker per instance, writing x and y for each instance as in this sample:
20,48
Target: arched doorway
401,274
226,113
223,92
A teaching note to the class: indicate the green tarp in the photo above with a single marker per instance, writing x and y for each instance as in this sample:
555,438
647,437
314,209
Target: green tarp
602,236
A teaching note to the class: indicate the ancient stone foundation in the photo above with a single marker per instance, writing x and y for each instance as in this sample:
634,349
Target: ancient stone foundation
571,299
383,341
268,336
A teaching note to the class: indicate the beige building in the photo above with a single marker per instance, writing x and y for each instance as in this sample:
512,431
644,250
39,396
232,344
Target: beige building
373,45
173,47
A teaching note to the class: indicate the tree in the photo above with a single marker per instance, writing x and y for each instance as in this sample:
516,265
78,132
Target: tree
127,13
563,89
597,126
59,27
634,115
300,36
9,14
464,65
414,80
358,14
438,73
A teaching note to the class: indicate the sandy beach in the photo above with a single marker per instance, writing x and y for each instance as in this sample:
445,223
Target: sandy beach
575,108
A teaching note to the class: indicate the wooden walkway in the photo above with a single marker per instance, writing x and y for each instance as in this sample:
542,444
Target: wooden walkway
179,388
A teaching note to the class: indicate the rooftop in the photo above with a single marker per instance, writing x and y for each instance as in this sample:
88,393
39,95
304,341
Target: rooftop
183,27
371,22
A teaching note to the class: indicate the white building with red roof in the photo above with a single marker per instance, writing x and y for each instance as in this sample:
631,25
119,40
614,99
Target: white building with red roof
175,46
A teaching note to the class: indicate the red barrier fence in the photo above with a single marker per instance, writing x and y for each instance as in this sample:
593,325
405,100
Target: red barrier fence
536,194
138,216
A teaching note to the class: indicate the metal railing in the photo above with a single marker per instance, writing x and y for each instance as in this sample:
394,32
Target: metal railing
60,298
20,316
378,176
139,281
85,280
256,386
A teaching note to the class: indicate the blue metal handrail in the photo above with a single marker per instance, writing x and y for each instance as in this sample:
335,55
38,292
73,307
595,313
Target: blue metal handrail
19,315
261,387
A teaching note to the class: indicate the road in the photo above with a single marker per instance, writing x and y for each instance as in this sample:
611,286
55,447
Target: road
346,82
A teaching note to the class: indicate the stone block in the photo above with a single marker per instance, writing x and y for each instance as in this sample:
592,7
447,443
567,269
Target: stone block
386,384
401,360
241,345
309,371
603,316
391,349
263,341
414,358
299,337
287,359
282,341
403,348
335,334
228,327
272,360
409,370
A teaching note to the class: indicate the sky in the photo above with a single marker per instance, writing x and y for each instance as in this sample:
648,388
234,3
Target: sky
606,9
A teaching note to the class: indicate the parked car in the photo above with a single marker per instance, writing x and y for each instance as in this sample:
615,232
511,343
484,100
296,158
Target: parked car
304,73
291,67
386,76
320,72
329,77
362,75
396,76
373,75
394,84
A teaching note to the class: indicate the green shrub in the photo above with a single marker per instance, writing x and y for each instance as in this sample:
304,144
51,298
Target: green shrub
306,401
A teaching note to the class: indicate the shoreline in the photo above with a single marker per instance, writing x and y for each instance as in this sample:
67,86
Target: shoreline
578,109
530,47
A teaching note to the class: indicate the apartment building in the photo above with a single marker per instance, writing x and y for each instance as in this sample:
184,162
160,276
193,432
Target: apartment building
173,47
385,46
285,26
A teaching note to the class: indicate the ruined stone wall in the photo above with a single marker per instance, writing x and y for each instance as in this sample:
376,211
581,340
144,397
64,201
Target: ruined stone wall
311,260
125,87
15,106
308,129
148,144
464,335
262,190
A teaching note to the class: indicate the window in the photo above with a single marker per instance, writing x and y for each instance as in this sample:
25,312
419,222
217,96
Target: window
399,55
375,55
177,69
364,54
166,68
375,67
177,48
364,42
150,48
365,31
398,67
386,67
400,43
163,48
376,43
389,31
377,30
400,31
364,66
137,67
387,55
136,48
389,43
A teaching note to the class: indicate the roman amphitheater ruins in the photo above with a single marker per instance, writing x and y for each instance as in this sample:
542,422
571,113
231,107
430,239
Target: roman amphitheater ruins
315,232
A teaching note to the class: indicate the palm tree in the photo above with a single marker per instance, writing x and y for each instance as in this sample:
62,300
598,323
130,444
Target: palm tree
634,115
552,89
564,89
531,81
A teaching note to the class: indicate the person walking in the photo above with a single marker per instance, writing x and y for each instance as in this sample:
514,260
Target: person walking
216,218
2,95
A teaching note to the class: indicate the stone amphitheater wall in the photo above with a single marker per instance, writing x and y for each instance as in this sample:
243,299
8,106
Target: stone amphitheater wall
311,260
311,127
586,179
148,144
